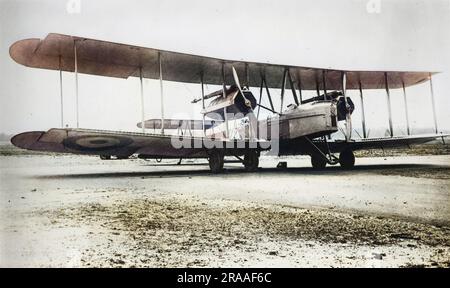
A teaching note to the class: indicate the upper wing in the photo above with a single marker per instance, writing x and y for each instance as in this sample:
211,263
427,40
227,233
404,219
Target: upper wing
99,142
103,58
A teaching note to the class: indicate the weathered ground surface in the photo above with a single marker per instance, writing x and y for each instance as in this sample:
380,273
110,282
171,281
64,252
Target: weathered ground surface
80,211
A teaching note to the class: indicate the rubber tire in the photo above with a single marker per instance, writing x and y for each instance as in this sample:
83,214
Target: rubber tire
347,159
105,157
318,162
251,161
216,160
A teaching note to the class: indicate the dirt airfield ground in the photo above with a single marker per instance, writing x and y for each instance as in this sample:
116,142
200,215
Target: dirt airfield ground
64,211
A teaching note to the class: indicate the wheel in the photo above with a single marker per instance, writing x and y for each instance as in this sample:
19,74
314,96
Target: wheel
216,161
105,157
318,162
251,161
347,159
282,165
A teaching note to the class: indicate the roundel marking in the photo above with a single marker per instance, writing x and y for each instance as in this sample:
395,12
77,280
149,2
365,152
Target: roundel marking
96,143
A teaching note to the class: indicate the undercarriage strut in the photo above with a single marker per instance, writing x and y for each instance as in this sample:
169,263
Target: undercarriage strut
327,155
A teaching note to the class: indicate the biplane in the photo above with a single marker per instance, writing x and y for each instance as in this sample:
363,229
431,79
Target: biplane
301,128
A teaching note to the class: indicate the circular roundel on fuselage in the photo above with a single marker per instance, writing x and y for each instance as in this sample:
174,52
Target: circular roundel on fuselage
96,143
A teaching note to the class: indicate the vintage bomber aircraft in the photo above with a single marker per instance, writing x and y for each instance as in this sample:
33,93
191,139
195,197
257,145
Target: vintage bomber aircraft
303,128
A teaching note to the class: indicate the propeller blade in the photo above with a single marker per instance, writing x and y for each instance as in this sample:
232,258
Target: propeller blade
251,116
236,78
238,84
348,125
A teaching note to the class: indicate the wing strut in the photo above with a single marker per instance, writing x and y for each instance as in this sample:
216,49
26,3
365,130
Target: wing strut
76,79
317,84
324,80
268,94
224,93
260,97
388,95
162,91
247,79
142,101
61,93
203,102
362,110
263,79
348,119
433,104
299,84
283,89
294,92
408,130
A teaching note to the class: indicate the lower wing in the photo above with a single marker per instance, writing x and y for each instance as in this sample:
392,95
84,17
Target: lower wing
124,144
381,143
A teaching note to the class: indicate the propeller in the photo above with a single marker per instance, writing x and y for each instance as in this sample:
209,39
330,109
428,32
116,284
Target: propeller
238,84
348,117
251,115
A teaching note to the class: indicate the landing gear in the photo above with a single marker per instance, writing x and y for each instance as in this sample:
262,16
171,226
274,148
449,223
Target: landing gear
347,159
251,161
318,162
105,157
216,159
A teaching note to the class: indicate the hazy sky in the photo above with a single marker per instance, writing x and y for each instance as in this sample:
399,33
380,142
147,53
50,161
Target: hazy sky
400,35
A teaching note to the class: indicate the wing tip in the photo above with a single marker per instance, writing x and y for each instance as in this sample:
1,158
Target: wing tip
21,50
27,139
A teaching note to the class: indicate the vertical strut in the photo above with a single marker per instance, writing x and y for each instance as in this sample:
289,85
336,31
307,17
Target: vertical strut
268,94
391,131
224,93
283,89
408,130
299,84
142,101
348,124
260,96
203,103
317,85
362,110
291,83
76,80
61,92
433,105
324,80
162,91
247,79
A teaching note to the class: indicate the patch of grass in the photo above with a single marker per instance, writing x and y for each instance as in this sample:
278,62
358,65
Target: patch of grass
422,149
172,233
430,173
11,150
192,223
